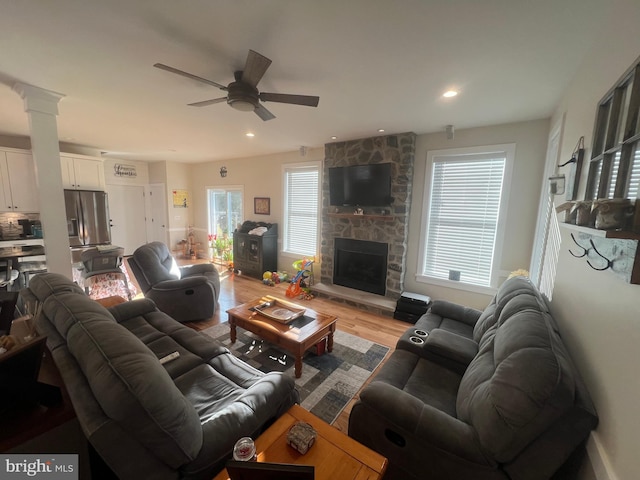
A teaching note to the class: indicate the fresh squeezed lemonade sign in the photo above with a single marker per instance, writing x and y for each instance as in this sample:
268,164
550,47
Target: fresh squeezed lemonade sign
50,467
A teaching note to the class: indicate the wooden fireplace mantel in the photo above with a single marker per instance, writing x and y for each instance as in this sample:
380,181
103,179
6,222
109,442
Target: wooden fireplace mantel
353,216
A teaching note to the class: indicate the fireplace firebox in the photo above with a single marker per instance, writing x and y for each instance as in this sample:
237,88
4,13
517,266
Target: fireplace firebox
360,264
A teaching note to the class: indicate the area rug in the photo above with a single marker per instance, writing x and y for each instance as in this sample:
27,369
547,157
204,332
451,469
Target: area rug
328,381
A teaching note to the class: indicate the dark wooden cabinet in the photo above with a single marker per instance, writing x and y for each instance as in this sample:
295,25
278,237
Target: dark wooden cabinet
255,254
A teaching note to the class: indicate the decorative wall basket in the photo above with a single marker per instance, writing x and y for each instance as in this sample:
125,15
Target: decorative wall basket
613,214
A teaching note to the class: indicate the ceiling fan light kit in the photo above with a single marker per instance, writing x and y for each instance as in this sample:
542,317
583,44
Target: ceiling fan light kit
243,94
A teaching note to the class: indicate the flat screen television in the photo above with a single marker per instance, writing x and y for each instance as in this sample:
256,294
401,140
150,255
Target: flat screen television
363,185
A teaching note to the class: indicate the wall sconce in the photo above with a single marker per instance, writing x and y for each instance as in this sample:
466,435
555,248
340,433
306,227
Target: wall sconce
556,185
223,171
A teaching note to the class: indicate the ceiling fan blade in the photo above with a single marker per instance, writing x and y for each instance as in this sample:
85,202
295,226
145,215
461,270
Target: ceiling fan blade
263,113
254,68
188,75
307,100
207,102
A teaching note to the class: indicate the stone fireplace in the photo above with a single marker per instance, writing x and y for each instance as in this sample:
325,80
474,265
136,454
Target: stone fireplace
386,226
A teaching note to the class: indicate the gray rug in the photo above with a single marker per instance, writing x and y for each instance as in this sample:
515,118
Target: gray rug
328,382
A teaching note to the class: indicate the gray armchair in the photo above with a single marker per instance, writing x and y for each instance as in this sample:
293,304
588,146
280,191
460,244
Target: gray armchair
184,293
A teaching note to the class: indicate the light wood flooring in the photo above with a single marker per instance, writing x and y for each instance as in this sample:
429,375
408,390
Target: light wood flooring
237,289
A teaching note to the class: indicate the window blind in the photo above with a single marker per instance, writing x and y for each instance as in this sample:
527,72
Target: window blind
463,216
634,178
301,210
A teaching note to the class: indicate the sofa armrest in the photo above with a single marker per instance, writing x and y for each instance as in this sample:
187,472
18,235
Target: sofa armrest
455,311
173,285
126,310
197,269
433,428
450,349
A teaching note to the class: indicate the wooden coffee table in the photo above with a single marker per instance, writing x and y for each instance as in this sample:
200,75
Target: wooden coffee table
296,337
334,455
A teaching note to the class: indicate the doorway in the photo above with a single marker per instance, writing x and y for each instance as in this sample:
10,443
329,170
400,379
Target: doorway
225,210
158,209
127,216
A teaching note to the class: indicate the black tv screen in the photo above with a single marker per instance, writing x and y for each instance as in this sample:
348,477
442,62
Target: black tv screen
364,185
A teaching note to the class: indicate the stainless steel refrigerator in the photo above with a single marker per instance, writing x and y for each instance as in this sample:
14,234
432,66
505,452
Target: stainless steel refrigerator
87,218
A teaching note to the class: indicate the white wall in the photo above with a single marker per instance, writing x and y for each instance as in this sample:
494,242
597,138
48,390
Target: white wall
531,143
260,177
599,314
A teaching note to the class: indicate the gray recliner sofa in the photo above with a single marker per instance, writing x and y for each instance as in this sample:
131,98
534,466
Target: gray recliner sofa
146,419
487,394
186,293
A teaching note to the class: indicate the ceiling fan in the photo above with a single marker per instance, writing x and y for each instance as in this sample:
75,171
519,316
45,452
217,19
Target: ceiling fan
242,93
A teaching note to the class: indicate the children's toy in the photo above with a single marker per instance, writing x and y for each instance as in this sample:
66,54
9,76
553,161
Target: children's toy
299,283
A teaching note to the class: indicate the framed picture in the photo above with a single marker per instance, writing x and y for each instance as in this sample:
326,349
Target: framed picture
180,199
262,205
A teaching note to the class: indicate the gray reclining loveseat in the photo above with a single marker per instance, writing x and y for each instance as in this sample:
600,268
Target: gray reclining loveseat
482,395
146,419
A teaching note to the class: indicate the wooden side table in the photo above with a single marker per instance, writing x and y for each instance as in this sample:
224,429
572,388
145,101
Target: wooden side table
334,455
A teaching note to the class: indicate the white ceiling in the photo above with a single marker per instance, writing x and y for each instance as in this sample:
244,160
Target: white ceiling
373,63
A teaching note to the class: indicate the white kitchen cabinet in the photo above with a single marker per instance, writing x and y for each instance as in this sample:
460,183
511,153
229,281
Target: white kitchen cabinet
19,187
82,173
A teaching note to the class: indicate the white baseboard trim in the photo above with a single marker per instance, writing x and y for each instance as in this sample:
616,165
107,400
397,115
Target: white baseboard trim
598,458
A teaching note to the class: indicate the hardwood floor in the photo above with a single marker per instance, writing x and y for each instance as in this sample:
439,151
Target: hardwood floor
237,289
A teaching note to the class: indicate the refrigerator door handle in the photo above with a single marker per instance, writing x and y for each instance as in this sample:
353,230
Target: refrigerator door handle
72,227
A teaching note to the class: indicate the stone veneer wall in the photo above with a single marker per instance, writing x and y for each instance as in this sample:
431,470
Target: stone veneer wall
399,150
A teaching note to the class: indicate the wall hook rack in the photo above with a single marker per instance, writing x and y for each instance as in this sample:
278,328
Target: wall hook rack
584,250
609,262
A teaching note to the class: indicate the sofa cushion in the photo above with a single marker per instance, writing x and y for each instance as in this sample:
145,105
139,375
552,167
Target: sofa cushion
520,382
126,378
407,372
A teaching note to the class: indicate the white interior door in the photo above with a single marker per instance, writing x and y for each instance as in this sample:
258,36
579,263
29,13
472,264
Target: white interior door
158,209
127,214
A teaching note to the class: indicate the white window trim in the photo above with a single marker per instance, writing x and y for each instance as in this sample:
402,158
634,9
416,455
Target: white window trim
546,204
509,150
286,166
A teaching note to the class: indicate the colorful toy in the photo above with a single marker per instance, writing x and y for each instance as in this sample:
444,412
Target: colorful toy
298,285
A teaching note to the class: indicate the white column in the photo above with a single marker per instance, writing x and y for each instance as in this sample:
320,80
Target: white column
42,107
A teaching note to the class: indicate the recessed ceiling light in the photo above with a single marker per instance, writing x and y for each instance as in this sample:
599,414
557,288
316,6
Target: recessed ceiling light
333,137
381,130
249,134
450,93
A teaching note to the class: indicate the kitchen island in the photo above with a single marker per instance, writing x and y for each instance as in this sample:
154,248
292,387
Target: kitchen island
25,255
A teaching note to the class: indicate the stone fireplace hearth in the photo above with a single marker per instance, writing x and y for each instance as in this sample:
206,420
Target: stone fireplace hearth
382,225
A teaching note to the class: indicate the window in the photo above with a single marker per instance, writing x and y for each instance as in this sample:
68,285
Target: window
546,247
466,195
301,193
614,169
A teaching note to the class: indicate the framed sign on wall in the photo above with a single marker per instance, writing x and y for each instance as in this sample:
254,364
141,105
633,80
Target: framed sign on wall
262,205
